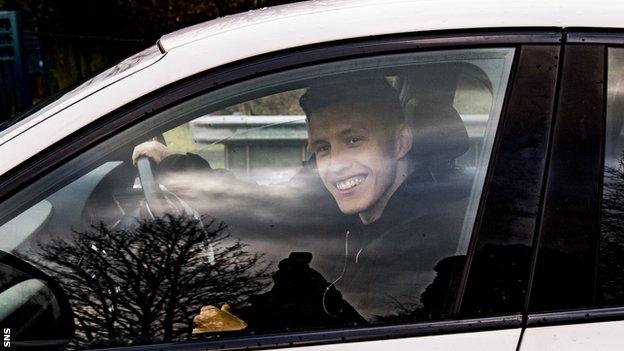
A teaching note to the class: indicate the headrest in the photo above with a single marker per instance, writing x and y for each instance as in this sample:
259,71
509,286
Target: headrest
440,135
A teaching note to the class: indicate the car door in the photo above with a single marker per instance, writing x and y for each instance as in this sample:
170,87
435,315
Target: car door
244,214
576,291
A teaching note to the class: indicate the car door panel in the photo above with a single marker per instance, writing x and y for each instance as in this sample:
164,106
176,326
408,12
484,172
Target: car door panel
604,336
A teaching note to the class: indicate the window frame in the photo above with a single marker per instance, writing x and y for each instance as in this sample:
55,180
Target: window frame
527,125
588,46
545,40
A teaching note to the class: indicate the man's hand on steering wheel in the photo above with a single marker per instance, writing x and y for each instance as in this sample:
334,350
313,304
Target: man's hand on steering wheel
151,149
144,157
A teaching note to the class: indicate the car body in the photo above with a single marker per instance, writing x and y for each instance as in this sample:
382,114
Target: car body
538,223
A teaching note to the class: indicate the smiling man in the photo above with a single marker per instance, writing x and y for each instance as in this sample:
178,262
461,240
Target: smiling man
361,142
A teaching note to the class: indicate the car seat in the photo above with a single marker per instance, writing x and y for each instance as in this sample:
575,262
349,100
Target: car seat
427,94
440,137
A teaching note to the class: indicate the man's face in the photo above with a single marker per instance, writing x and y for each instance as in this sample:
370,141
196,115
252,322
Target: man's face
355,154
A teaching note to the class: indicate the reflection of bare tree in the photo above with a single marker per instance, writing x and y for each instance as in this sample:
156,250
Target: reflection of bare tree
611,264
403,313
436,300
146,283
501,285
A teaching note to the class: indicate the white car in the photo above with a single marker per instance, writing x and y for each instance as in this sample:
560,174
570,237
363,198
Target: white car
350,175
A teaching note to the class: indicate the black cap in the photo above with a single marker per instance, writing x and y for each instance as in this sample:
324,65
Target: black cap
375,91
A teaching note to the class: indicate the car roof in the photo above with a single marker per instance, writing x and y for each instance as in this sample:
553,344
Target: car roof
344,16
233,38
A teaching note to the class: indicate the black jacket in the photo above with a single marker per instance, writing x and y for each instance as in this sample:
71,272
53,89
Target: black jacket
391,261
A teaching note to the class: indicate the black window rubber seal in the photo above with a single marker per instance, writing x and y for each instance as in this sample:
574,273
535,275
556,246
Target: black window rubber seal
261,342
606,36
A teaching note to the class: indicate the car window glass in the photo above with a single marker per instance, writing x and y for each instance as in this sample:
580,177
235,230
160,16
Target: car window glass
610,282
337,195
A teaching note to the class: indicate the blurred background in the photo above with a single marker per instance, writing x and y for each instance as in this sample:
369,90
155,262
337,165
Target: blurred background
47,46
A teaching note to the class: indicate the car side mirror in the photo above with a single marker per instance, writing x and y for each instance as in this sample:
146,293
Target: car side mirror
34,311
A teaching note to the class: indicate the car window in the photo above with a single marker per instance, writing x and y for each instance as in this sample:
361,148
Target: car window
336,195
610,283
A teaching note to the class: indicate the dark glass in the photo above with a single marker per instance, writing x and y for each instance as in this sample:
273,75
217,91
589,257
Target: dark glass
565,273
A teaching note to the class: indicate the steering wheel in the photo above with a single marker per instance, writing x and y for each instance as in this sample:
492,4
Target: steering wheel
159,200
157,204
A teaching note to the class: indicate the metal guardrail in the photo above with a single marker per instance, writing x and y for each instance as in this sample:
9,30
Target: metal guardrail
221,129
232,128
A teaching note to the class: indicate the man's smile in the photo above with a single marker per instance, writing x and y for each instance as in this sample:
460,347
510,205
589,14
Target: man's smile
350,183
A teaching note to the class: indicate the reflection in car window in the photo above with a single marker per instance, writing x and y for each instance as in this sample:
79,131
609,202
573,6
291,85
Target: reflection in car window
610,284
335,195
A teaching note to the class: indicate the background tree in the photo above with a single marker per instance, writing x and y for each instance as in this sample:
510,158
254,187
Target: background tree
81,38
145,284
133,19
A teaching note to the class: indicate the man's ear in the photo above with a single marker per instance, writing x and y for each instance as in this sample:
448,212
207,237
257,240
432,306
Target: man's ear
404,140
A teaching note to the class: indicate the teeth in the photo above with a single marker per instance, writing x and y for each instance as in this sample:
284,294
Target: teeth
349,183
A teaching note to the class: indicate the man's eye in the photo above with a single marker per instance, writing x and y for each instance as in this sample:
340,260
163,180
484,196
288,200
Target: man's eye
322,149
355,140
